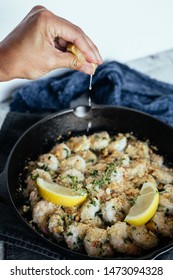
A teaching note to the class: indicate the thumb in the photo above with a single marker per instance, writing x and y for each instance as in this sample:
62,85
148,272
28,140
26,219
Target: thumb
69,60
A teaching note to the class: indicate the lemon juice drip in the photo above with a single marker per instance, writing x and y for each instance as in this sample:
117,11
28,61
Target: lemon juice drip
90,88
90,84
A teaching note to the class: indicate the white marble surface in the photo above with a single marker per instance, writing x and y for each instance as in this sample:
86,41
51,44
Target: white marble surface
159,66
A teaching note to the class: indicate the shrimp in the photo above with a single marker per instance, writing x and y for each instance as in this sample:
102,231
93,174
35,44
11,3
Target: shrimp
89,209
162,224
118,158
71,177
41,212
138,150
34,198
97,169
118,180
42,174
76,162
99,141
119,238
56,224
119,144
31,185
115,209
78,144
61,151
169,189
166,200
132,194
103,174
104,184
97,244
137,169
94,190
118,175
48,162
74,235
89,157
31,180
96,222
163,175
143,237
93,181
156,159
125,160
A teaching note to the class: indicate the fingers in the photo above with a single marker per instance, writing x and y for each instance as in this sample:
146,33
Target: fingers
63,31
95,49
68,60
72,33
60,44
90,51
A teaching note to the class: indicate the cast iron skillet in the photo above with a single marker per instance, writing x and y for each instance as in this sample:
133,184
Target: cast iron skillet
43,135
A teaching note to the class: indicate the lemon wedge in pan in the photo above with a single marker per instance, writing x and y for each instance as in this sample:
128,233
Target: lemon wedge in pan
59,195
145,206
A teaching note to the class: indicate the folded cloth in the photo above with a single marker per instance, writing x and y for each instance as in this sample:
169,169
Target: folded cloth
113,84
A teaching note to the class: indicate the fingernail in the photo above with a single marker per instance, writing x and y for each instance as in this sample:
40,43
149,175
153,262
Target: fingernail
100,60
88,69
96,59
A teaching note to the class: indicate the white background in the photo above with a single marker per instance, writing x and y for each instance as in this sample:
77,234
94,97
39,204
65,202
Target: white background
122,29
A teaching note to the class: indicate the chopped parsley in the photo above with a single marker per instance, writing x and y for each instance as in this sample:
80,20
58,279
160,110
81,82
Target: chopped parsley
75,185
93,202
45,167
69,233
74,181
106,176
94,173
67,151
34,176
133,228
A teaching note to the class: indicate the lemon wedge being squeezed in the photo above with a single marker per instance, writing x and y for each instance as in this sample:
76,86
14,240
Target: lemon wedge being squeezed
145,206
74,50
59,195
80,56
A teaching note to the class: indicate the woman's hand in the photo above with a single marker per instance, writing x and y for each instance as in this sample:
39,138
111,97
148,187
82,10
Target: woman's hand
38,45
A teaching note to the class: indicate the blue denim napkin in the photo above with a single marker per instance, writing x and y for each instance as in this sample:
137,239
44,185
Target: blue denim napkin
113,84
